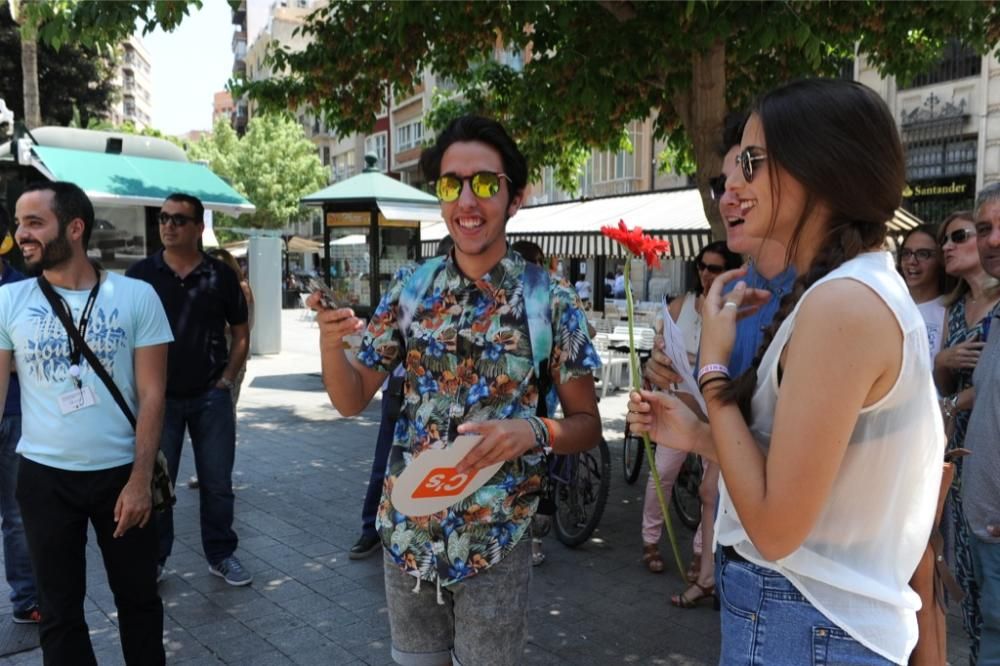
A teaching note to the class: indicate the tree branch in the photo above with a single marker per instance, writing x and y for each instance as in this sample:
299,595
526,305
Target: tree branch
622,10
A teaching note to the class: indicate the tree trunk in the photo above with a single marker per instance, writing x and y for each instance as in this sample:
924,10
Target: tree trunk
703,112
29,75
29,64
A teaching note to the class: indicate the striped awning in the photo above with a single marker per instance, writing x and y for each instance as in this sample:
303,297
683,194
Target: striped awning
573,228
683,245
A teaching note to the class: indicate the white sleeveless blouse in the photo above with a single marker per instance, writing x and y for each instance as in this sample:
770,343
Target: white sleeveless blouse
855,564
689,321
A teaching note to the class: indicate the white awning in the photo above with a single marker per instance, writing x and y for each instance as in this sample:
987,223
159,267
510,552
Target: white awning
410,212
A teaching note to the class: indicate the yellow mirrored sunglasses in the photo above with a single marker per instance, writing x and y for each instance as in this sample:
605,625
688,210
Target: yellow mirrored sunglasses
484,185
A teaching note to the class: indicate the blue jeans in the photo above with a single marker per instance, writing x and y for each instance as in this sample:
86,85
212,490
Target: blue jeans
17,562
369,510
767,622
209,420
986,565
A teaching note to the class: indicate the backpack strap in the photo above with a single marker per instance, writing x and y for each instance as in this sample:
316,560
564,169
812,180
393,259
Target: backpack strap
538,308
414,290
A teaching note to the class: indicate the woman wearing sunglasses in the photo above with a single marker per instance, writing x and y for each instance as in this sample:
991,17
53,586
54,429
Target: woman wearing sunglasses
712,261
830,445
921,264
971,306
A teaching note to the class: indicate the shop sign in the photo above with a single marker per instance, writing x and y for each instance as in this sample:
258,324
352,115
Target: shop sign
961,187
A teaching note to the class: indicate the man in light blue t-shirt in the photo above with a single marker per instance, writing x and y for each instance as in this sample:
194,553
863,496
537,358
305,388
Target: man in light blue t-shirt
81,460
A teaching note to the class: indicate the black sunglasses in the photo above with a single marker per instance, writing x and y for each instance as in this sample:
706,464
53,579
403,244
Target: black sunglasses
746,159
717,187
711,268
176,219
922,254
958,236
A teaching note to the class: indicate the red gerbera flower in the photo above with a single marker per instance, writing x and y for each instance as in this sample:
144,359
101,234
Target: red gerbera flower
638,243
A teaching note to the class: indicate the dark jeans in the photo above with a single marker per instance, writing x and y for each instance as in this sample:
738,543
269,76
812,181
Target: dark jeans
17,562
56,505
391,403
208,418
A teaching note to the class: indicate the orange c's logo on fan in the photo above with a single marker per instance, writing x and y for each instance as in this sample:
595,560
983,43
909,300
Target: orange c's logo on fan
442,482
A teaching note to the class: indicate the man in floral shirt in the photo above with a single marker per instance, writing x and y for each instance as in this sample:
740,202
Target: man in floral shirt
469,370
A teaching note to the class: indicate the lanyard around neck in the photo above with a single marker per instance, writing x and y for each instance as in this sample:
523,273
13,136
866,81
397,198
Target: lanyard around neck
75,350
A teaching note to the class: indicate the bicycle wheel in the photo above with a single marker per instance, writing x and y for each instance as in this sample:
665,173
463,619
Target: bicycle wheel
632,454
685,495
582,493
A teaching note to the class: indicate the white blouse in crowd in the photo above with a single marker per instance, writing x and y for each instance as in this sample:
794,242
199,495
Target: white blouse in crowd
933,312
689,321
855,564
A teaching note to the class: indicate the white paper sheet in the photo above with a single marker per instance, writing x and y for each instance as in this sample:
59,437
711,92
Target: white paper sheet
674,346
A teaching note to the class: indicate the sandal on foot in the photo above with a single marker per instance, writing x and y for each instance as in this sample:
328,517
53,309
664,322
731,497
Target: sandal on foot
651,558
689,600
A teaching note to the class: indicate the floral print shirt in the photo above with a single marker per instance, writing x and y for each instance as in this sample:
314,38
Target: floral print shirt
467,357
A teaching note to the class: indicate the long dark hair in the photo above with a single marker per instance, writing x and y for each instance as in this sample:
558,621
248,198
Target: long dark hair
839,141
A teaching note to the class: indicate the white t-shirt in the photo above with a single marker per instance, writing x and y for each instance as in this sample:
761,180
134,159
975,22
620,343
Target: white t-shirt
583,290
127,314
933,313
856,562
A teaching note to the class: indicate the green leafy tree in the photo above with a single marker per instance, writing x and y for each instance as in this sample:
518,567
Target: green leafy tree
76,79
273,165
99,23
596,66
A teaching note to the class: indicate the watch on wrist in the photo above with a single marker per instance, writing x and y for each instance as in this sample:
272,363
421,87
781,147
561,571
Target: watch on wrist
949,406
228,383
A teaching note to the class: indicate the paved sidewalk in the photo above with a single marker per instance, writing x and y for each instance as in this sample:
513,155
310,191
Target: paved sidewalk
301,472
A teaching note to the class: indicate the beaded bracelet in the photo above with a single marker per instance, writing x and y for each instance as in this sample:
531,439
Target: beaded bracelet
701,387
540,430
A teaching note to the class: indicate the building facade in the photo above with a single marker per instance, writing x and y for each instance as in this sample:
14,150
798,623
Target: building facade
949,121
222,106
134,80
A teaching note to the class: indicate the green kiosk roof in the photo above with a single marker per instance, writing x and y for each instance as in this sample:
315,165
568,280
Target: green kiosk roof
143,181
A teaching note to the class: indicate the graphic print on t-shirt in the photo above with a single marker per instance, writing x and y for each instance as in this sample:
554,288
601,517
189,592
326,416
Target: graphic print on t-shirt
47,355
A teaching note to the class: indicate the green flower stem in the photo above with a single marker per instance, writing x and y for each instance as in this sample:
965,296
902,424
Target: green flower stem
650,456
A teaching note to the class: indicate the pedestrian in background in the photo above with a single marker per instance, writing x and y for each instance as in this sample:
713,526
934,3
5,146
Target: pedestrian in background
981,478
17,562
202,296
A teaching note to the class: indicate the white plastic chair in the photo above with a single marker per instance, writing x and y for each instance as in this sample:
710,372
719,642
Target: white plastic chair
611,362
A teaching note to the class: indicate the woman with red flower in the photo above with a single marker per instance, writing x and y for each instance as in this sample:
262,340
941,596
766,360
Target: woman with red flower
831,445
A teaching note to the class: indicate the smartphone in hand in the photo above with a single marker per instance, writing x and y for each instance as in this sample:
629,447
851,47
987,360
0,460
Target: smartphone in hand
327,299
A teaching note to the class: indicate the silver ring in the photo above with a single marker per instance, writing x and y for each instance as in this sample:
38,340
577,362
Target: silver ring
730,304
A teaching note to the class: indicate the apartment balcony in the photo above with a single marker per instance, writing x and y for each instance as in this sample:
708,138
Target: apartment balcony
239,67
240,41
240,15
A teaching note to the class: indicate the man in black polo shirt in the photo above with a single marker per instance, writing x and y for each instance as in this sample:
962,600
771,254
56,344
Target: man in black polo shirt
201,295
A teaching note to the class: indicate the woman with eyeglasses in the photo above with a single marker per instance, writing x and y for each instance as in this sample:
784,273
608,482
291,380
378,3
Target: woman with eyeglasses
921,265
971,306
830,445
713,260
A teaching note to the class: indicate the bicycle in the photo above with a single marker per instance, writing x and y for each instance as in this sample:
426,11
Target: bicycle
579,486
684,495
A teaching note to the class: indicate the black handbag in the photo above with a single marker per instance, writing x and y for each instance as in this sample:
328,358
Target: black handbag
161,486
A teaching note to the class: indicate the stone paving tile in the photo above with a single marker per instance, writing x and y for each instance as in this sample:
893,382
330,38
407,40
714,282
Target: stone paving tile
300,475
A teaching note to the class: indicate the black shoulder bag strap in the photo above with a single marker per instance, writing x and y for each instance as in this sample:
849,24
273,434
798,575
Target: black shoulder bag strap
81,344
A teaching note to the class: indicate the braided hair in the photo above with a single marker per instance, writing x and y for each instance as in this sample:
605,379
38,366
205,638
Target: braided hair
838,140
